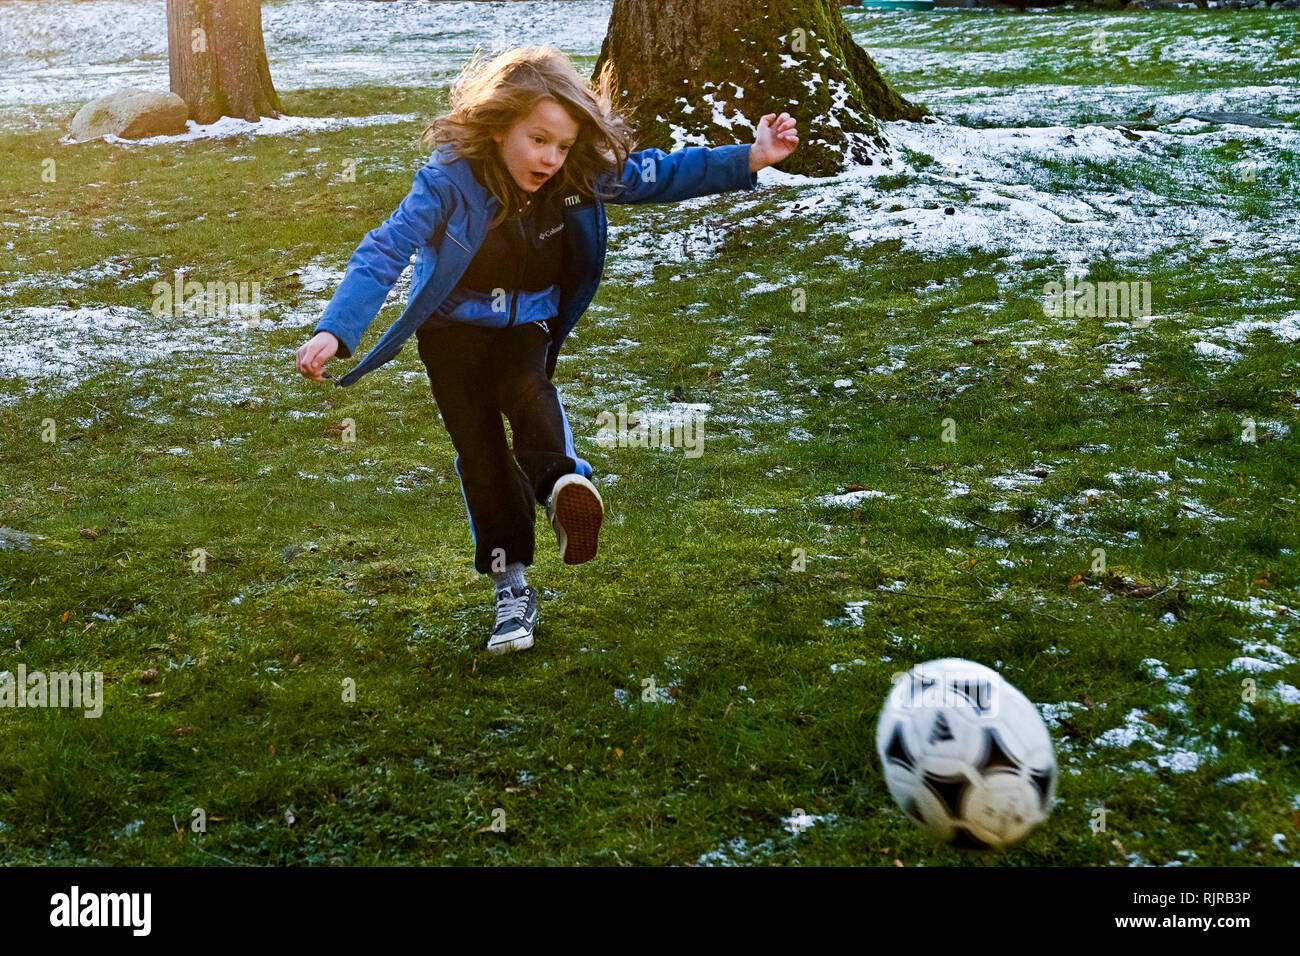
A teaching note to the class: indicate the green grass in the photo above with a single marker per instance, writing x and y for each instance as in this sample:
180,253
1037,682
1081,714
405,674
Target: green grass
1188,175
312,582
1004,50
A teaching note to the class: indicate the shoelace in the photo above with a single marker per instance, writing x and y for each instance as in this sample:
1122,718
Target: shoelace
509,608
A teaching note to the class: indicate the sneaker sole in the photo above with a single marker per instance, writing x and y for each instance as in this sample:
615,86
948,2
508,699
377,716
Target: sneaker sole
518,644
579,513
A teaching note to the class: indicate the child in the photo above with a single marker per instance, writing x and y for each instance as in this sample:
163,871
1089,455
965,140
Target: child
507,221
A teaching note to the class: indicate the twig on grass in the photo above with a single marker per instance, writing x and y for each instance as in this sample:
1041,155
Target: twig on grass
1130,691
940,597
999,532
218,856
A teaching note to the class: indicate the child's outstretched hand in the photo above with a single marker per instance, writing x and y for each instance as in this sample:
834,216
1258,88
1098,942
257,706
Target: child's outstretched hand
313,355
773,142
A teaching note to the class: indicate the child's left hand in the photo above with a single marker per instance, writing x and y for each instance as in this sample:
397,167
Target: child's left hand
773,142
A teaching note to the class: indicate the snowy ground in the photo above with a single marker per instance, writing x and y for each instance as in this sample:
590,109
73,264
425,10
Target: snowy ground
65,52
1063,67
228,126
1008,211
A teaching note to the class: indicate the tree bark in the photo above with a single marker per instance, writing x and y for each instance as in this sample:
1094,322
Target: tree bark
217,58
702,72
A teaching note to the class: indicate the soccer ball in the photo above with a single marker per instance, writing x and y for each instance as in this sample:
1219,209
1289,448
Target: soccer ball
966,756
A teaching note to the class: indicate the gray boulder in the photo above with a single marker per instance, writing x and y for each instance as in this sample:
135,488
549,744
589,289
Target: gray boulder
130,113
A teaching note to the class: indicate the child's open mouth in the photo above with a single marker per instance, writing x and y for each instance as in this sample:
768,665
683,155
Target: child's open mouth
539,177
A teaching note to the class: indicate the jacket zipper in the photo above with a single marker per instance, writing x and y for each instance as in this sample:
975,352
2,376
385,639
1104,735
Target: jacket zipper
514,296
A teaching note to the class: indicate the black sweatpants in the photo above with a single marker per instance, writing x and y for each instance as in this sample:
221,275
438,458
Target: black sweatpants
478,373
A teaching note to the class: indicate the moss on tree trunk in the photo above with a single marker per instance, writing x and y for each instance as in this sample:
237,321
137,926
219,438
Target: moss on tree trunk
702,72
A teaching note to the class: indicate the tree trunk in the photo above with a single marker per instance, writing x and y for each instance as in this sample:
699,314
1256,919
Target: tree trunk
702,72
218,59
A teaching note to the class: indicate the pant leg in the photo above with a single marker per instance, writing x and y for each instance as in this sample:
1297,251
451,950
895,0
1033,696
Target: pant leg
530,400
463,364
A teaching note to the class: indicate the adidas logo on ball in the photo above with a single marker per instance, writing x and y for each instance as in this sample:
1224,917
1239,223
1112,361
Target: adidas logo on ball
972,689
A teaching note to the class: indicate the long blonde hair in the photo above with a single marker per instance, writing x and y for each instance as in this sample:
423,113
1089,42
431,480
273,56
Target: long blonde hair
490,97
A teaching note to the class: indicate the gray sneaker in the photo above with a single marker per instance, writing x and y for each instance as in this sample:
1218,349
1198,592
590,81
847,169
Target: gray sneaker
516,618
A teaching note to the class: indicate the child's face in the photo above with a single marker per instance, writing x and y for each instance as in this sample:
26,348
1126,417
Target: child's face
536,146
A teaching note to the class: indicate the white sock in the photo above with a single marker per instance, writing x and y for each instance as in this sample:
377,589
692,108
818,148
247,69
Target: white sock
512,577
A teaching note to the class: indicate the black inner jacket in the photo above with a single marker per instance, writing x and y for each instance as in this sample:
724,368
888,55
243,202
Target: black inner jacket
524,253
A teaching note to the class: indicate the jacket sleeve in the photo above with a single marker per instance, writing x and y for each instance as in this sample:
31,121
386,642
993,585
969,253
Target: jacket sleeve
381,258
651,175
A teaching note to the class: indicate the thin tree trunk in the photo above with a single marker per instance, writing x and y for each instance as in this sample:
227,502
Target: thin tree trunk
217,59
688,67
